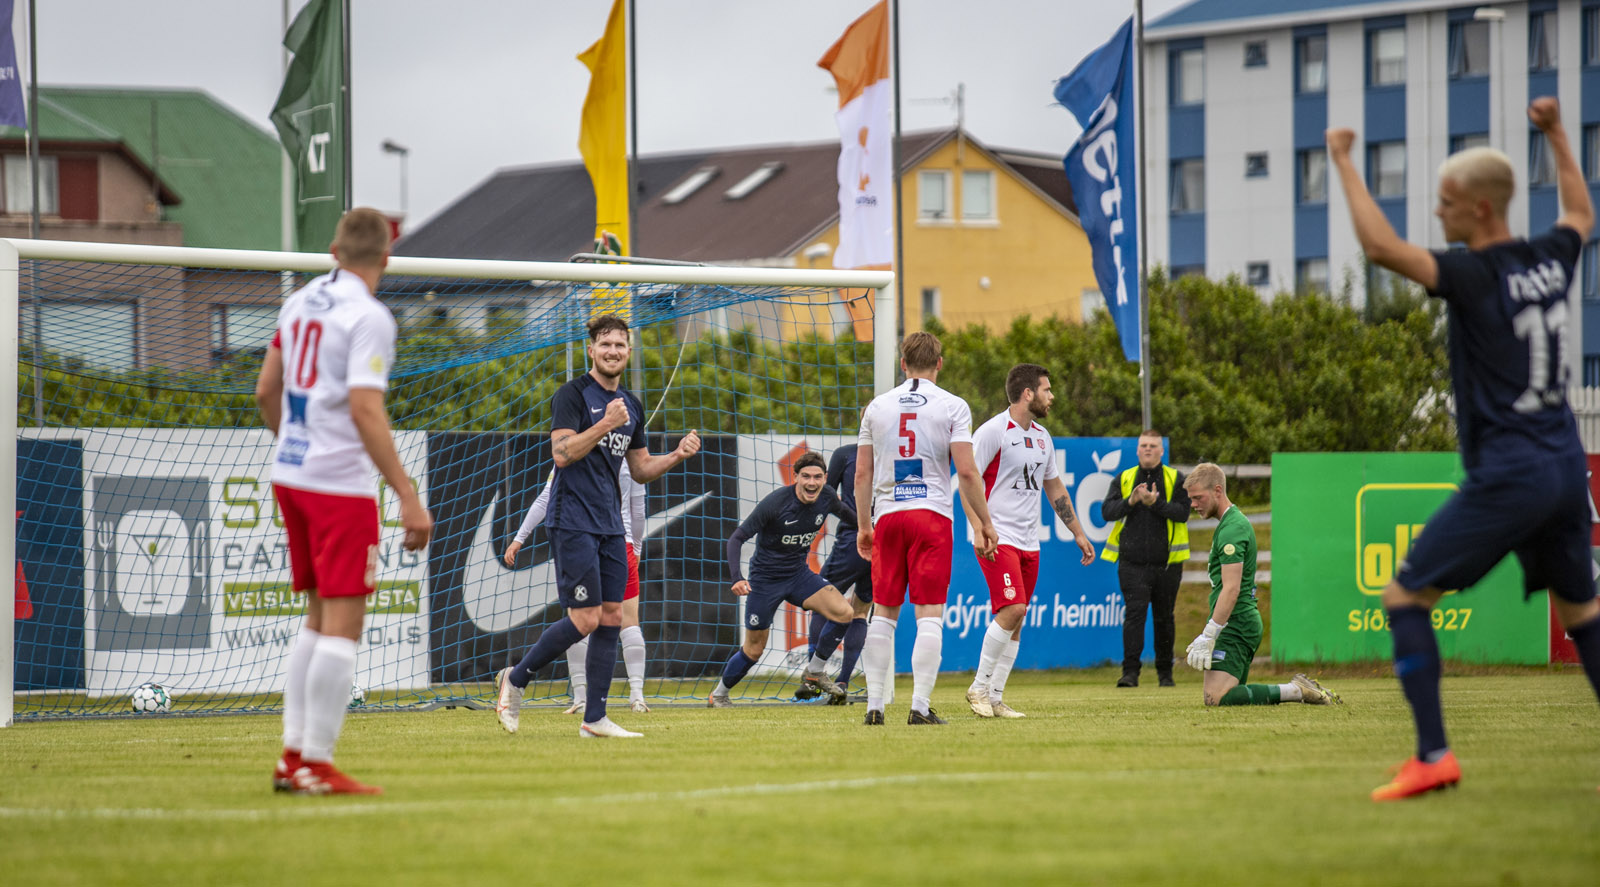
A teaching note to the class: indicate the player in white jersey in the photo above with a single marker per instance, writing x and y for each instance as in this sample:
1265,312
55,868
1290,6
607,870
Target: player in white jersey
909,436
632,638
1018,460
321,392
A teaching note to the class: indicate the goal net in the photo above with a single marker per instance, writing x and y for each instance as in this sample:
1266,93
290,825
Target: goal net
147,546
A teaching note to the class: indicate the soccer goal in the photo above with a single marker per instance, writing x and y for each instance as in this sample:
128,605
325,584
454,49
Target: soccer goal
146,547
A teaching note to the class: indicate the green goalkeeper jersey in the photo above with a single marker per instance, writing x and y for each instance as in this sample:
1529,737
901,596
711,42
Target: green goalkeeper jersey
1235,543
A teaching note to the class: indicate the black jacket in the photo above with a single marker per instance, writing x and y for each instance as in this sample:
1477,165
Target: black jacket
1144,527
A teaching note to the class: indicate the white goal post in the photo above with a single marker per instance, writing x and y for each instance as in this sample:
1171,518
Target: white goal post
12,252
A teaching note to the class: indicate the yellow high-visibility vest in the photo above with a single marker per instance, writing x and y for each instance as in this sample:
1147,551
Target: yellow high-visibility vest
1177,531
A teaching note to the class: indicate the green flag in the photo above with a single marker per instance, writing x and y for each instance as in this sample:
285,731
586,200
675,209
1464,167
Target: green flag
309,115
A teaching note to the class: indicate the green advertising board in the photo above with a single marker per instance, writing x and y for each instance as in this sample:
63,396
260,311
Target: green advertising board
1341,524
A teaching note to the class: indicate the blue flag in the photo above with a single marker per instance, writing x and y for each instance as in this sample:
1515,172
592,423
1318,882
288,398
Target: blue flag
13,112
1101,168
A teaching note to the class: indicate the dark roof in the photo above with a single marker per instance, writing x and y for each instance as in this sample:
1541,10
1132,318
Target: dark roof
546,213
1201,12
225,171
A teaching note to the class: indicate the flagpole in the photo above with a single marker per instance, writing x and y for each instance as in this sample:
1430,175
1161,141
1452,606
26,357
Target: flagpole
631,248
344,90
286,166
33,220
1144,225
899,227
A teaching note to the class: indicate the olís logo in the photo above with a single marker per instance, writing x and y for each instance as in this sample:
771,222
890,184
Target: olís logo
1389,518
1092,491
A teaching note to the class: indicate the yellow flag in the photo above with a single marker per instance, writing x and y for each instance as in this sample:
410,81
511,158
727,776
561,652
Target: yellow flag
603,138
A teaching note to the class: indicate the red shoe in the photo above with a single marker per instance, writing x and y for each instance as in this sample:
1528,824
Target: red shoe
1415,778
321,778
283,773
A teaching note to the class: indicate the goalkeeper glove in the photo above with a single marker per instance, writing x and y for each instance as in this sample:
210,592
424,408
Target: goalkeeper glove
1200,648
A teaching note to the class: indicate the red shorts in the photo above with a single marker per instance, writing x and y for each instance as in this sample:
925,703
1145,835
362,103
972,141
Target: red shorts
1011,576
632,591
333,541
911,549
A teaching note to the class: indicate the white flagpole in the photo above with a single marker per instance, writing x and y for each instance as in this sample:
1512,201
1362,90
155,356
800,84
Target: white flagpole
1144,225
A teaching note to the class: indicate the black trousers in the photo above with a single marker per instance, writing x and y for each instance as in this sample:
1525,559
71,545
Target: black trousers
1156,588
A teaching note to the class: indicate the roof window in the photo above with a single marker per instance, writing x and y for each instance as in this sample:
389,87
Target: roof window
754,180
688,186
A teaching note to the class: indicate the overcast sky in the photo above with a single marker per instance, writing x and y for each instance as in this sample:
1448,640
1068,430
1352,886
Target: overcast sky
475,85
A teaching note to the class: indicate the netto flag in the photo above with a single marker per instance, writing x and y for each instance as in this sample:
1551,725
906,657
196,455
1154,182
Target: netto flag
309,116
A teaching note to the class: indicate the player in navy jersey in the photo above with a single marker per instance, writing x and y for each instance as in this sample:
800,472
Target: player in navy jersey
1526,490
783,525
851,574
595,424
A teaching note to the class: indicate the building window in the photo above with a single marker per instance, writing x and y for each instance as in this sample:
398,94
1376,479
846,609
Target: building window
1255,165
102,333
1313,183
1542,41
1470,140
977,194
1091,302
1181,271
1386,169
933,194
1255,54
1541,163
1386,56
1257,273
1312,65
1591,371
1591,152
1188,77
1311,275
1591,36
1589,267
1189,186
19,188
1469,49
242,327
930,302
686,188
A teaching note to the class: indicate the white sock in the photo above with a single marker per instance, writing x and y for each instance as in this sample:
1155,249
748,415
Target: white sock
877,657
328,677
1290,693
722,689
888,677
577,669
925,657
1002,669
294,689
818,664
994,643
633,658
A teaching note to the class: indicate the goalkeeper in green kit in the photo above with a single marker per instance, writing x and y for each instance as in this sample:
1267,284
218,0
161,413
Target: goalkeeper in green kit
1224,650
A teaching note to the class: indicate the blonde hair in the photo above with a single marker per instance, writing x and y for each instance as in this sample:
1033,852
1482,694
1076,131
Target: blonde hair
1484,173
362,238
1208,475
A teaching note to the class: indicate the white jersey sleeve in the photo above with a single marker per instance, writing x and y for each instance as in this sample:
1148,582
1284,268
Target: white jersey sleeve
536,512
911,429
632,506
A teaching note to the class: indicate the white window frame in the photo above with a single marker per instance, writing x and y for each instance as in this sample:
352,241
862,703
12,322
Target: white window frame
1376,173
15,181
939,181
1185,93
931,295
991,215
1377,73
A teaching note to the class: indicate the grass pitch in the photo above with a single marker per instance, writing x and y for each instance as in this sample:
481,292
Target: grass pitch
1097,786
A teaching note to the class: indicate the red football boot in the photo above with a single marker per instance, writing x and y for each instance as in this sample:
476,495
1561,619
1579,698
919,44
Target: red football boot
322,778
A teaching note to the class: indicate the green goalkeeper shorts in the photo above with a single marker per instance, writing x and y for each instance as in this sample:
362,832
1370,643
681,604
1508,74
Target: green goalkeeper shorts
1236,647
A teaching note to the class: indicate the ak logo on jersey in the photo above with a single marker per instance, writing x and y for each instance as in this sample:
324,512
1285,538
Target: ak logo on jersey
908,483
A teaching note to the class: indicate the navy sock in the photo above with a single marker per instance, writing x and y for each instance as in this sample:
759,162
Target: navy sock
551,645
855,637
1586,638
1416,663
818,625
738,666
828,641
601,664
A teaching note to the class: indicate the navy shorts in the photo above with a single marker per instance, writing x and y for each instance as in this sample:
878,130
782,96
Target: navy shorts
1538,511
589,568
846,568
766,594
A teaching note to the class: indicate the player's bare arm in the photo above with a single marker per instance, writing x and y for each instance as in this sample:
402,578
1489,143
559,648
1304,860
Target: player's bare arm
646,466
863,482
269,389
1577,211
372,423
568,445
1378,238
1055,492
973,500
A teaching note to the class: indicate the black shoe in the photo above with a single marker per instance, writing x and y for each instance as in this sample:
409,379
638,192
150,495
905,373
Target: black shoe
874,718
932,717
806,693
1167,681
1128,679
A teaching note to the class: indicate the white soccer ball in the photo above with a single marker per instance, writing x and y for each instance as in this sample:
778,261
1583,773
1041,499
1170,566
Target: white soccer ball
151,698
358,696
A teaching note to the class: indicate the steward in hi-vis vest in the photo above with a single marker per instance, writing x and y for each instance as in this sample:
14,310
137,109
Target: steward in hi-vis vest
1149,544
